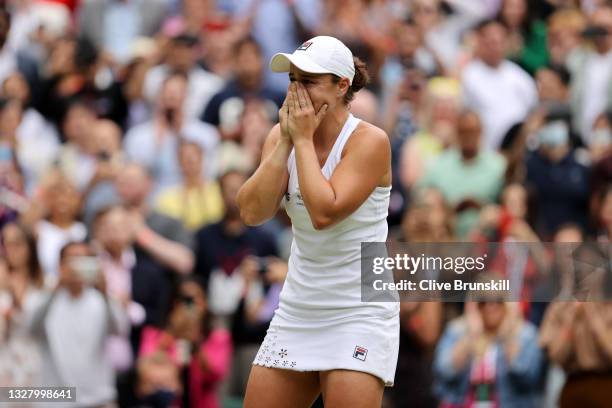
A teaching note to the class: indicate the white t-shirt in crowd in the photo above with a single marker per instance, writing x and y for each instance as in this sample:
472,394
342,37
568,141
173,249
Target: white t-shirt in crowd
77,357
503,96
596,87
38,146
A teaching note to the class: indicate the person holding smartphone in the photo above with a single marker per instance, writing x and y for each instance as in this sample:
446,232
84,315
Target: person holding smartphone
72,356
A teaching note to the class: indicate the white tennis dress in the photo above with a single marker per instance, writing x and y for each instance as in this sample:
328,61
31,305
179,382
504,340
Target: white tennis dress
321,323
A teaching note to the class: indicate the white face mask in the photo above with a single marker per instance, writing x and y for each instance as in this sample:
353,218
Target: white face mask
554,134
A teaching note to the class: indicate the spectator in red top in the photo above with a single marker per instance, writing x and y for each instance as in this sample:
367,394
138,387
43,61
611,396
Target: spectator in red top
187,358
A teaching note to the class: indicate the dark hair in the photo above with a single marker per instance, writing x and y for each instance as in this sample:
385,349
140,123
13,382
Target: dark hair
531,15
245,42
67,246
176,298
360,80
86,54
561,71
487,22
34,271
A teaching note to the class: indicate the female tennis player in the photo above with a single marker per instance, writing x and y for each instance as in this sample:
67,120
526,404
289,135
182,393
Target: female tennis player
333,173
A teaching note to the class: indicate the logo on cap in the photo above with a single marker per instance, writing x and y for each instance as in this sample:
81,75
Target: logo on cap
304,46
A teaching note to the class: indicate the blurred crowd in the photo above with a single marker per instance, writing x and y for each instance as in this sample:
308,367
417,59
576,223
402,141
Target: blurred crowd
128,126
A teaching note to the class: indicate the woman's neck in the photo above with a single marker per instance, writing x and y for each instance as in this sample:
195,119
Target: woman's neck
193,182
61,221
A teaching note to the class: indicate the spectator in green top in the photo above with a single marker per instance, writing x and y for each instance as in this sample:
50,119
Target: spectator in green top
526,34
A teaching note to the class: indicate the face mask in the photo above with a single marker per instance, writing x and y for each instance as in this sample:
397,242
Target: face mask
601,137
554,134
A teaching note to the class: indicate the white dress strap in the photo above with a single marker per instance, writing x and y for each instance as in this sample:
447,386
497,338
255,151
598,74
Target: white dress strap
336,153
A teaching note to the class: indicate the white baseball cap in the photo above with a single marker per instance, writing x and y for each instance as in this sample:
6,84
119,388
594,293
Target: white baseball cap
319,55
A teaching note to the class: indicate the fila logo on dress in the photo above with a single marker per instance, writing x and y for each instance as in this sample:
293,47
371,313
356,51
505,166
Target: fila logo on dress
360,353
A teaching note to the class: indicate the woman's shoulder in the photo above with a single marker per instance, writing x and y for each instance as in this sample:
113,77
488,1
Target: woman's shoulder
368,137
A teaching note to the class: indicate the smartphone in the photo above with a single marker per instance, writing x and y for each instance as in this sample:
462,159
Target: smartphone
87,267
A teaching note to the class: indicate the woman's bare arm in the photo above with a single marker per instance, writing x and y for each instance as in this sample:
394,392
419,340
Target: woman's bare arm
366,162
259,198
367,159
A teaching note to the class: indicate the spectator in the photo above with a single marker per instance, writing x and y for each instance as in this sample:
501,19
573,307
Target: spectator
601,137
489,355
10,59
278,25
420,330
76,159
558,178
21,286
196,202
145,54
243,289
437,130
200,85
591,68
73,322
565,26
553,85
402,112
61,202
497,89
604,215
410,53
154,144
13,199
467,176
527,34
114,25
602,168
247,84
37,140
75,69
161,238
575,331
443,32
137,284
427,219
197,355
109,158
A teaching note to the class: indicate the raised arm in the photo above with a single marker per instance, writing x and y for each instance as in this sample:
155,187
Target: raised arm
366,163
260,196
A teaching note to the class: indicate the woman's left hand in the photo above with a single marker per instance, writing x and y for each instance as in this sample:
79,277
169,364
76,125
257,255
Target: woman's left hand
303,120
